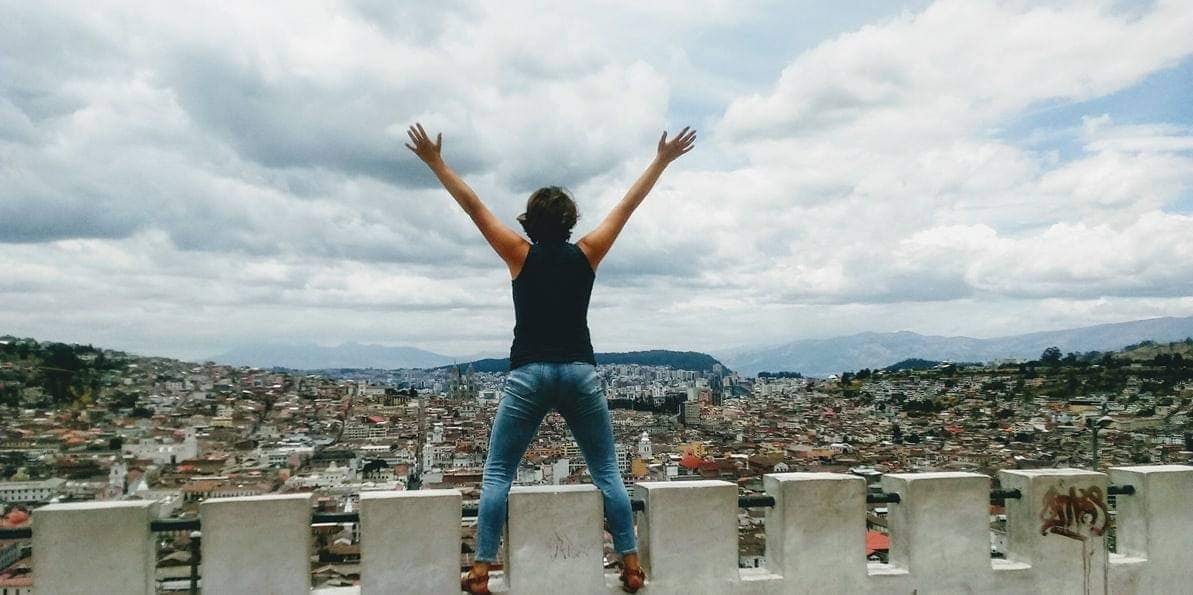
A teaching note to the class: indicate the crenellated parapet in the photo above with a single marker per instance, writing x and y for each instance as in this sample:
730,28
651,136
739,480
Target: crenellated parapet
1057,524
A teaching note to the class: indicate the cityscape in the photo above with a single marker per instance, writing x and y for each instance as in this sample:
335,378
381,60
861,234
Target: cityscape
85,423
877,297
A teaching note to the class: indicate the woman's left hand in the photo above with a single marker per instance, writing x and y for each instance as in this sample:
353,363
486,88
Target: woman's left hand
423,147
671,150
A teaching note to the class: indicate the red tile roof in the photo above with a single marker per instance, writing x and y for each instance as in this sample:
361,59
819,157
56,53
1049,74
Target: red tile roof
877,542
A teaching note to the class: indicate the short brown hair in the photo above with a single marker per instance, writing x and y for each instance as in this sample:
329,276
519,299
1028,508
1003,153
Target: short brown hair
550,215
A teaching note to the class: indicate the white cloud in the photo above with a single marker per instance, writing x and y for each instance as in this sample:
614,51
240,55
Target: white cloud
178,176
959,65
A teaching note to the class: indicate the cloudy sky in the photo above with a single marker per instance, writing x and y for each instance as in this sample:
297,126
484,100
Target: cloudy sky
178,178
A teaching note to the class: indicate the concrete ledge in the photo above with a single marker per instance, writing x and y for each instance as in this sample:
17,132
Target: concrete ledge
407,544
257,545
1058,527
941,525
95,547
816,532
1153,525
688,534
555,537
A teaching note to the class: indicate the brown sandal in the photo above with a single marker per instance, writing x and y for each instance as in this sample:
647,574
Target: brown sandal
475,584
632,581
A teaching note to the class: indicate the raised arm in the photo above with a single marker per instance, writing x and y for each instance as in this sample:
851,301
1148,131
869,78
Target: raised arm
598,241
510,246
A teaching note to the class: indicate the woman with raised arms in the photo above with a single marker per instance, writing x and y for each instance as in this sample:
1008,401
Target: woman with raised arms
552,365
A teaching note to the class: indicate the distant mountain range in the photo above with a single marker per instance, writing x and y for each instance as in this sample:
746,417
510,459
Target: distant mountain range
812,357
347,355
821,357
355,355
680,360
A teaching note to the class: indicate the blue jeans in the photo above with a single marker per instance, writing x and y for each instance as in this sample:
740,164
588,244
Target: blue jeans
531,391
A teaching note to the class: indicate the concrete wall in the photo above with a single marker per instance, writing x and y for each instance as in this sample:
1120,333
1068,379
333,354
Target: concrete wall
687,536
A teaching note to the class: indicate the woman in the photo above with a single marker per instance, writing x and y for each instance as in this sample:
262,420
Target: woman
551,360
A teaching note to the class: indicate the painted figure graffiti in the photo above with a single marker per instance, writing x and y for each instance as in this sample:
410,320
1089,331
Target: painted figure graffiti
1078,514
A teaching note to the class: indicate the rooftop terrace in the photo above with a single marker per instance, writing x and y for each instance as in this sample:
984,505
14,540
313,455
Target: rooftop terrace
815,538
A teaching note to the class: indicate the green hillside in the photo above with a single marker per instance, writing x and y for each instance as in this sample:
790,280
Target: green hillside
1148,350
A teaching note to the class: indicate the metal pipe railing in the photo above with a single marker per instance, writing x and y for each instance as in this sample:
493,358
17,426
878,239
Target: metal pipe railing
1123,490
1002,495
883,498
17,533
752,501
335,517
172,525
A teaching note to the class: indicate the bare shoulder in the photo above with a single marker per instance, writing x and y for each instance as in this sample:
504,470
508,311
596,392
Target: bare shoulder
589,253
516,258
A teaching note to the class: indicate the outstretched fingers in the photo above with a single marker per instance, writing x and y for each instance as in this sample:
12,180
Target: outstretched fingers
415,137
683,142
685,137
420,143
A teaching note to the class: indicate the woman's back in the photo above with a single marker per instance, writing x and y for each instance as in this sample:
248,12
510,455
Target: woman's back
551,295
552,285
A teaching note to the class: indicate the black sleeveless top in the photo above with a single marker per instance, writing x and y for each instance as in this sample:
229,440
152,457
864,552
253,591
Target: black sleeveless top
551,306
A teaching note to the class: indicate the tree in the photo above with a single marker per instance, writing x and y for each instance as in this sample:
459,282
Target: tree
1051,356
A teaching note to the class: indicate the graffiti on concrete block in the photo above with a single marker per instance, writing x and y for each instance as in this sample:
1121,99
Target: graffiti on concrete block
566,549
1079,514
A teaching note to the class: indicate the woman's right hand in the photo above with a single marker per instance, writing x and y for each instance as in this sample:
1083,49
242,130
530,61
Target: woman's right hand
671,150
423,147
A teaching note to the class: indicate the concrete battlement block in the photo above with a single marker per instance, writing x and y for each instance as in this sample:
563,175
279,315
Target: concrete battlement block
257,544
941,524
1154,523
688,533
555,537
410,541
95,547
816,532
1058,527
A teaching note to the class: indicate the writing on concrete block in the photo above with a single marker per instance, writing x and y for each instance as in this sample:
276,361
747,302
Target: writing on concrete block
566,549
1079,514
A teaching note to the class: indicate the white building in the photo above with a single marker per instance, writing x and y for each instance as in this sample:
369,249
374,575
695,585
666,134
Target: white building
165,453
358,432
28,492
644,448
281,455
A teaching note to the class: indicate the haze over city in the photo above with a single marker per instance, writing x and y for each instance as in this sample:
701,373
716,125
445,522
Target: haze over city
180,179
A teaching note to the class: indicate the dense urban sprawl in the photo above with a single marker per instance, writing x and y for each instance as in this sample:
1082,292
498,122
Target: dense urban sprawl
84,423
